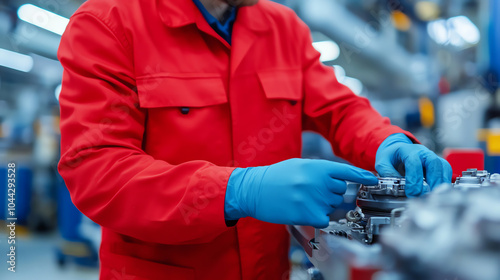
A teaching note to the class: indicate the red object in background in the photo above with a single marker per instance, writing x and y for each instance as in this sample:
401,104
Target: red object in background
463,159
444,86
358,273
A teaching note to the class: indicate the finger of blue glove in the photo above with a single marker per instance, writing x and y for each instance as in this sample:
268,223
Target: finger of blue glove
338,189
349,173
388,155
311,214
448,171
320,222
386,169
437,170
414,175
433,170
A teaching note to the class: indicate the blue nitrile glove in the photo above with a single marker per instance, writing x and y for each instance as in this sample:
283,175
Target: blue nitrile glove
398,150
293,192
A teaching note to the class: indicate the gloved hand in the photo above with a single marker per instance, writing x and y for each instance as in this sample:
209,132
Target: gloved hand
294,191
398,150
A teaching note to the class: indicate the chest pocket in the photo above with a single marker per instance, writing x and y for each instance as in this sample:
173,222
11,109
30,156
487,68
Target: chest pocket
281,131
285,85
182,91
184,111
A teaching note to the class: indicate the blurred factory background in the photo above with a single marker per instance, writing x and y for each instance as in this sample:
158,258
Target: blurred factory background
432,67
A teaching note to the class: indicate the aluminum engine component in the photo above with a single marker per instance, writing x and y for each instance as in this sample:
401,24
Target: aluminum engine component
473,178
389,194
375,206
378,207
451,234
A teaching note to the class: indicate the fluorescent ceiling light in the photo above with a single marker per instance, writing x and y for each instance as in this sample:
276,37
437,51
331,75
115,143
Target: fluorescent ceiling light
42,18
329,50
339,72
16,61
466,29
438,31
58,91
353,84
458,31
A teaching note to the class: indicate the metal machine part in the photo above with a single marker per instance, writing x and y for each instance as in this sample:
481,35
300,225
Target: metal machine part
451,233
378,207
364,229
473,178
338,257
381,206
381,199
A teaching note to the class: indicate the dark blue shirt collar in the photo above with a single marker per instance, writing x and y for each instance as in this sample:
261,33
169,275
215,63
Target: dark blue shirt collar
225,28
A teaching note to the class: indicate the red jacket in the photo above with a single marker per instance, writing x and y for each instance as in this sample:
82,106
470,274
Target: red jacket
157,110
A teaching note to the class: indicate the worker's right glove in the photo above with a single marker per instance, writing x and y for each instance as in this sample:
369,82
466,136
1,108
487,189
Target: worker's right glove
398,150
294,191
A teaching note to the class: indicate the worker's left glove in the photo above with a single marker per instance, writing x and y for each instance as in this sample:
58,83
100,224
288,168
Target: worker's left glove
398,152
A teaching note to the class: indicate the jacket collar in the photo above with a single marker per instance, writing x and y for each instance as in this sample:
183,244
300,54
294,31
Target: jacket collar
177,13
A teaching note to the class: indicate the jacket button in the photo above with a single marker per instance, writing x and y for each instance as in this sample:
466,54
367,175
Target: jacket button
184,110
293,102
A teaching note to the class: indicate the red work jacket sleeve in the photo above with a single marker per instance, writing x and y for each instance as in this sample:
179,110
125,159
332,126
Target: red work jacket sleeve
354,129
110,178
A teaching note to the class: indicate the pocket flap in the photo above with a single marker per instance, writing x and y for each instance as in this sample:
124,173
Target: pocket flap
181,91
282,84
